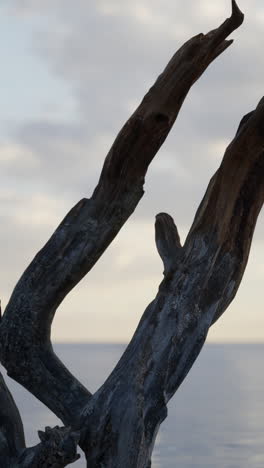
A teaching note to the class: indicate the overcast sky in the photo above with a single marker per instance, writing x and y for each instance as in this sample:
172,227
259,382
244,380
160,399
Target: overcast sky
71,74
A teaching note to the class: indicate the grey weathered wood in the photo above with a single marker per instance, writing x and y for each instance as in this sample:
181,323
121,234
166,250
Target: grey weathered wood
120,421
199,287
57,447
168,242
90,227
12,440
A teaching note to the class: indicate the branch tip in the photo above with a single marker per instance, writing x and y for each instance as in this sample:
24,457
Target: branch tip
237,13
218,36
167,241
261,103
258,112
166,222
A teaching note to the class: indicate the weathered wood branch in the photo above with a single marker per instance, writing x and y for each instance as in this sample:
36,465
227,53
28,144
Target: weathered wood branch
168,242
197,288
90,227
58,446
12,440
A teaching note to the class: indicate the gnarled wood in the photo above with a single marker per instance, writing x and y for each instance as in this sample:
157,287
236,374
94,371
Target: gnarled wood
168,242
57,447
200,283
12,440
119,423
90,227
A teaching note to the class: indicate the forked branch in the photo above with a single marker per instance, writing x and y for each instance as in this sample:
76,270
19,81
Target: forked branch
90,227
200,282
120,421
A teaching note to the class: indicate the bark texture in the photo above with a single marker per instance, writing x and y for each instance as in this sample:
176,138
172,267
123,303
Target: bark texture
117,425
57,447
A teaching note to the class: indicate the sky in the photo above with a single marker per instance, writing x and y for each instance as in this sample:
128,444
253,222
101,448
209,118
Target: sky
71,75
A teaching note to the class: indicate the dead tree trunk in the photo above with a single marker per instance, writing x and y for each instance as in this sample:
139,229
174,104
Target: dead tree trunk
119,423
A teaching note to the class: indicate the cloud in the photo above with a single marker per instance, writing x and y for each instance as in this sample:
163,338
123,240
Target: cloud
106,54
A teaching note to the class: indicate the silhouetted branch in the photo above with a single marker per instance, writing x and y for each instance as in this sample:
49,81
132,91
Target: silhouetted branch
57,448
168,242
90,227
12,440
203,278
119,423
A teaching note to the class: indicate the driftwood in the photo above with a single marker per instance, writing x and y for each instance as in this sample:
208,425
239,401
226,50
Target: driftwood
117,426
57,447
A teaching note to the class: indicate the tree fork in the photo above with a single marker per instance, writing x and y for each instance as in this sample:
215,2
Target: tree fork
119,423
200,280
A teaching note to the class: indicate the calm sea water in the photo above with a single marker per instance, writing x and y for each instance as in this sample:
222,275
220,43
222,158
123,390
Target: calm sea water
215,419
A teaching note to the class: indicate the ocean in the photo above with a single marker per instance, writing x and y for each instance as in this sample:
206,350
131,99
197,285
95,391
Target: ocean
214,420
